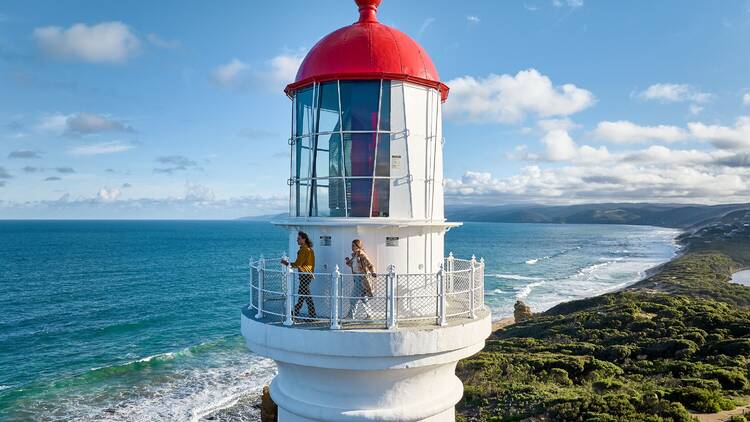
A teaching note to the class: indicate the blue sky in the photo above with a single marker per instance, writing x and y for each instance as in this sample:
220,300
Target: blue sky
172,110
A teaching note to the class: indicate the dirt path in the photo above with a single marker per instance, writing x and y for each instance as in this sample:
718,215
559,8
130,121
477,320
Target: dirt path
723,416
500,323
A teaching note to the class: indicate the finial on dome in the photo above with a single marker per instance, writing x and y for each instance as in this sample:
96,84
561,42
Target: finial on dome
367,10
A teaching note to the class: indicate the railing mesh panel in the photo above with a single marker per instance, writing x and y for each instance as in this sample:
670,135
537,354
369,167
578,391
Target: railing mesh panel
363,300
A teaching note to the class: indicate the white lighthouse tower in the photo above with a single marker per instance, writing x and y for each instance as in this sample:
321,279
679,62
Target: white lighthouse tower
367,163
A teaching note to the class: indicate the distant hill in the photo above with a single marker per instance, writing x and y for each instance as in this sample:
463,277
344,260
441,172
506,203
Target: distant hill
266,217
665,215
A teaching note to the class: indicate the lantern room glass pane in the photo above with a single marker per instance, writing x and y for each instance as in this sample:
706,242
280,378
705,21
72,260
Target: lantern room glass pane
304,113
336,197
339,173
381,196
385,106
359,193
302,188
359,103
302,147
359,154
383,156
320,206
328,108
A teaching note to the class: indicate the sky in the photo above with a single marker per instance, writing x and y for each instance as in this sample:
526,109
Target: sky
168,109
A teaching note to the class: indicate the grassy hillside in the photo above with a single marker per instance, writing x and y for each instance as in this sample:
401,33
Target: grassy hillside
675,342
666,215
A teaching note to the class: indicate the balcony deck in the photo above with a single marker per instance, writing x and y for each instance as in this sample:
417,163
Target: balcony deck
360,302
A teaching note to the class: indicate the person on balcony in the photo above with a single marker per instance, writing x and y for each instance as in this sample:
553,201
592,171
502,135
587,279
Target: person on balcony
362,273
305,264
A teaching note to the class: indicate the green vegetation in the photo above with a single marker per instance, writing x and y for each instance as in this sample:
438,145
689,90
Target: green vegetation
676,342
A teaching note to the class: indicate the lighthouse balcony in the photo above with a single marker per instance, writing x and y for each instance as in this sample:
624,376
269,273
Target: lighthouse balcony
337,300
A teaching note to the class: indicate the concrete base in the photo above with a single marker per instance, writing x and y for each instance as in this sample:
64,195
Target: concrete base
447,416
402,375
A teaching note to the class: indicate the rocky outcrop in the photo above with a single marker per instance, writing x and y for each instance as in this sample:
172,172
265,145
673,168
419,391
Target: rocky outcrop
521,311
268,409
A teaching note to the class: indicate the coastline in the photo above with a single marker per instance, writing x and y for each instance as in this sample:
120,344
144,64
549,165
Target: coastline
671,346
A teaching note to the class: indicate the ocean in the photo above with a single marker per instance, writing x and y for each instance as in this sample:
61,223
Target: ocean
140,320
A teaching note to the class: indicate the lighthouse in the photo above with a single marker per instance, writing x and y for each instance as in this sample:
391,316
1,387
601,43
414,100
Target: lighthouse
366,148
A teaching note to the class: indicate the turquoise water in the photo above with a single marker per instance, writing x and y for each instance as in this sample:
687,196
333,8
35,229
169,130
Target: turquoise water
139,320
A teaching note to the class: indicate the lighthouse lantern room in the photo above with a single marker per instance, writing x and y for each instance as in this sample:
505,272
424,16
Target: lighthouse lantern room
367,163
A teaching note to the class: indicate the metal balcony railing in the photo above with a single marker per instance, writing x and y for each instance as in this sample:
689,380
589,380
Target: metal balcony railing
345,300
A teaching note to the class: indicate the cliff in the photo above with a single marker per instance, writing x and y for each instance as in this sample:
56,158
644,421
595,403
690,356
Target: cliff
671,345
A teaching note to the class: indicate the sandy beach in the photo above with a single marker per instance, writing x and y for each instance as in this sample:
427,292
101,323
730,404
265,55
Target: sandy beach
741,277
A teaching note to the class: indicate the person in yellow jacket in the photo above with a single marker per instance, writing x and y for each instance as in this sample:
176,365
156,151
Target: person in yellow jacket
305,263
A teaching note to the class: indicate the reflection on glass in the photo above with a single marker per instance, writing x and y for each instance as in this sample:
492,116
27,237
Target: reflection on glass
334,176
359,193
328,107
381,198
359,103
304,112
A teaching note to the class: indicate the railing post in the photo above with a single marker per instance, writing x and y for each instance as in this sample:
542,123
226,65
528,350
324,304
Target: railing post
450,271
289,276
261,285
472,292
250,265
442,318
391,297
335,281
481,289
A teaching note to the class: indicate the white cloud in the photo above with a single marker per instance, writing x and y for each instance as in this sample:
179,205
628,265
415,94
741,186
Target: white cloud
199,193
625,132
507,98
107,42
231,73
628,182
674,93
283,68
473,19
160,42
746,99
560,146
570,3
426,24
108,194
87,123
80,124
53,123
659,154
108,203
101,148
724,137
275,73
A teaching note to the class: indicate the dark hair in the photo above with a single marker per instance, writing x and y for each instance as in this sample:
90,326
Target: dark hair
358,244
306,238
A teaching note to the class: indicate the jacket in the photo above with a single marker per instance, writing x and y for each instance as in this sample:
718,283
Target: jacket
305,261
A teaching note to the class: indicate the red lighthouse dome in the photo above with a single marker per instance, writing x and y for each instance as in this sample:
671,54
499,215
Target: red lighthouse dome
367,49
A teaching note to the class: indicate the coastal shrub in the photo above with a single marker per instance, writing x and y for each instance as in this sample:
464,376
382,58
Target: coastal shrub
643,354
560,376
733,347
671,411
710,384
729,379
701,400
738,418
599,369
617,352
606,385
667,348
